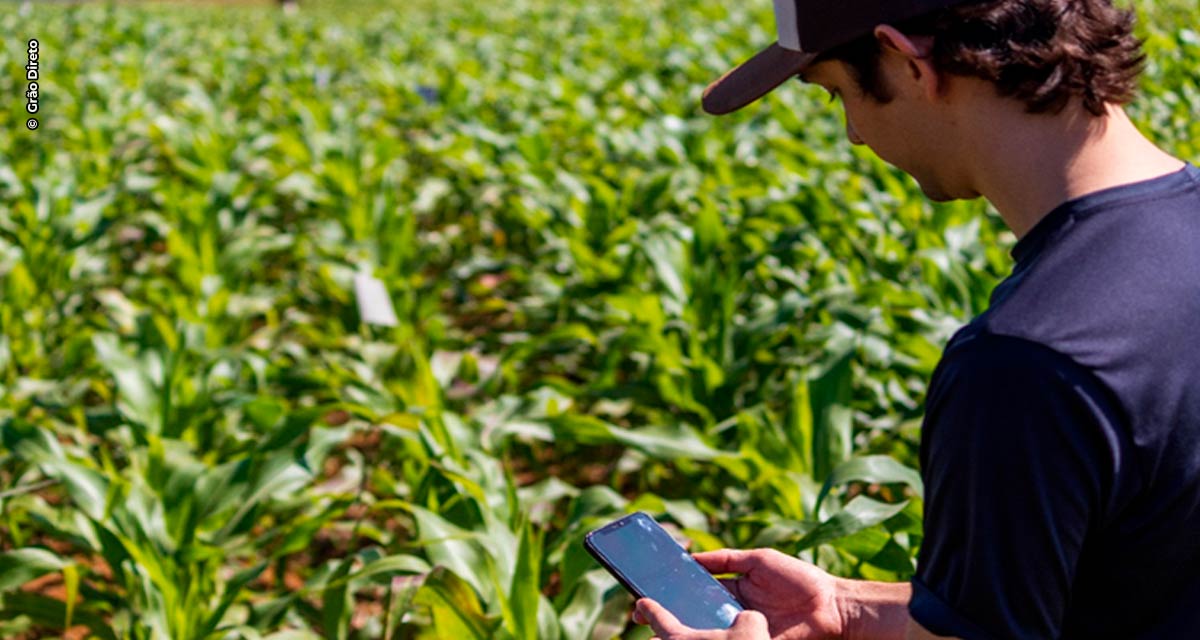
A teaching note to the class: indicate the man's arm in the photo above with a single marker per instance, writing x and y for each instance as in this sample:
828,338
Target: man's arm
799,601
873,610
879,611
1018,461
868,611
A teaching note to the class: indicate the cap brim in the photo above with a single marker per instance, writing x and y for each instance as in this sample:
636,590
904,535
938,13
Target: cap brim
754,79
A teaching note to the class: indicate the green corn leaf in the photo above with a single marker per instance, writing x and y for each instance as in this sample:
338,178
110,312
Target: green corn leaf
22,565
525,589
666,442
337,603
799,429
582,610
88,488
454,548
858,514
51,613
71,586
138,392
830,397
453,606
232,590
393,565
874,469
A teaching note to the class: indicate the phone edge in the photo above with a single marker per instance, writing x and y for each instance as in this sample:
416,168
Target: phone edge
608,566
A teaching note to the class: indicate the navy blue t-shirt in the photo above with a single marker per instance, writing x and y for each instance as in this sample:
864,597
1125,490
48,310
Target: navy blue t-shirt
1061,442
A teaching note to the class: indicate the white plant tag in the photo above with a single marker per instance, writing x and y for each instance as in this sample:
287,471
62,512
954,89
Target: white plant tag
374,303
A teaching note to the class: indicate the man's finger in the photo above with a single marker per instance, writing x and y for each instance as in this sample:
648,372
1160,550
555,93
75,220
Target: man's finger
726,560
662,621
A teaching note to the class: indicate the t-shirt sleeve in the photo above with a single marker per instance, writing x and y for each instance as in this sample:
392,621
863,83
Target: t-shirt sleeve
1016,457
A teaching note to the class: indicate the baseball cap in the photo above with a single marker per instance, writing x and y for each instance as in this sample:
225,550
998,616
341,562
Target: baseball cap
806,29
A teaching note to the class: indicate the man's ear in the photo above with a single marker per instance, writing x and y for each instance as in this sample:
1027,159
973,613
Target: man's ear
916,52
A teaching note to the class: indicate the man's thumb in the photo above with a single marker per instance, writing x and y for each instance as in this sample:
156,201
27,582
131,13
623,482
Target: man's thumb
750,621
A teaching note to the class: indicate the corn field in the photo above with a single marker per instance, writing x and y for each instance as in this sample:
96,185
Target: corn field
590,298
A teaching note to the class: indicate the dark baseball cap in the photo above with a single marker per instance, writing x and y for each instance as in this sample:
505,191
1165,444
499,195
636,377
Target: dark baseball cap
806,29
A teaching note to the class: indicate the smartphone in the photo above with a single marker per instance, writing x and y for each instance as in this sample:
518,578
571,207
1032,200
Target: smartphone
651,564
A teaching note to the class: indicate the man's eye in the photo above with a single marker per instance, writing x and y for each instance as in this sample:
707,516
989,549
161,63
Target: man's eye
833,95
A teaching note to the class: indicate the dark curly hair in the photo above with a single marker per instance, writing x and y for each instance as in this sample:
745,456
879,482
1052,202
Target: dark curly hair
1041,52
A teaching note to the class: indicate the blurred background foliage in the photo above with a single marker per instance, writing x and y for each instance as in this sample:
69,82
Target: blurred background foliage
606,301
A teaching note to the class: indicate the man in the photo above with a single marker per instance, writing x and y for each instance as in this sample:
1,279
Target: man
1061,442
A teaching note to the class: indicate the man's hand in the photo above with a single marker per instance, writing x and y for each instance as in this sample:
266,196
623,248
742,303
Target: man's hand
799,600
749,625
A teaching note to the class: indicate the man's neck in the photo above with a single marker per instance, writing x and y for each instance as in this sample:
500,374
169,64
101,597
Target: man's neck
1037,162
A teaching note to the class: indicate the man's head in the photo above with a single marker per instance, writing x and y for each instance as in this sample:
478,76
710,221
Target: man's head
1042,52
932,92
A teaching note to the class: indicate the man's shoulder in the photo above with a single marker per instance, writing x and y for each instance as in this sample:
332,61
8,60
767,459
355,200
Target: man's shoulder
980,345
1007,362
1102,271
1110,283
1102,309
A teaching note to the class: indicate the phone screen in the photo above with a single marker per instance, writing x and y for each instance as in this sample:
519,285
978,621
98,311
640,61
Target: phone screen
649,561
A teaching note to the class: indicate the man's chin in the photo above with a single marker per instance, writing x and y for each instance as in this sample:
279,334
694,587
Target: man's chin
937,194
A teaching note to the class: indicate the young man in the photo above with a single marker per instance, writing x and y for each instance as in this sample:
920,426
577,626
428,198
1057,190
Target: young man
1061,442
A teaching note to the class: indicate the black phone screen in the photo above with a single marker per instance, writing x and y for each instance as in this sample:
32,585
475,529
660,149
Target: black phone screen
650,562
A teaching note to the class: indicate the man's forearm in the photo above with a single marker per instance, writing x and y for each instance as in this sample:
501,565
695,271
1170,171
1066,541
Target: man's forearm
874,610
